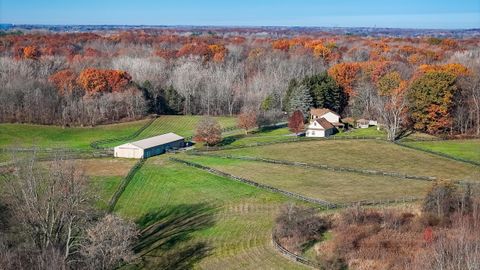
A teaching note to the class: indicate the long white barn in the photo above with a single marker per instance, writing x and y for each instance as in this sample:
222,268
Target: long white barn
149,147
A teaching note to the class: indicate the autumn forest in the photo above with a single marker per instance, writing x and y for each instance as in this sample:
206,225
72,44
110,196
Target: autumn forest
425,83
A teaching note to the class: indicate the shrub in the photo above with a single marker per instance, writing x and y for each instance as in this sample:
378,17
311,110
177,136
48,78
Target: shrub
300,226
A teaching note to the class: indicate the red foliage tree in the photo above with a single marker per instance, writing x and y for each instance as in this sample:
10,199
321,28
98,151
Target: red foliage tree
428,235
296,122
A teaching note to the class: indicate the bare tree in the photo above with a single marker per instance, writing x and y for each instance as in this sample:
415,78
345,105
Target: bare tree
51,205
107,244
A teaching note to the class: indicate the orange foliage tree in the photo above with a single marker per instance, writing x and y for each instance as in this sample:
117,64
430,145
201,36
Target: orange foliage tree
94,80
322,51
455,69
281,44
218,51
64,80
345,75
31,52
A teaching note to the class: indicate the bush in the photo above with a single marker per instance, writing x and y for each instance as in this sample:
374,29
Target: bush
299,226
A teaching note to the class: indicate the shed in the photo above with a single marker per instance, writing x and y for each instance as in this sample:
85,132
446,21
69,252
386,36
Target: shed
149,147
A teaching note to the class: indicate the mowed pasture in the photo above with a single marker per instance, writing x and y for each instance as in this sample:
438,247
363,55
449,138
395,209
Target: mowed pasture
364,154
180,124
235,226
333,186
463,149
27,135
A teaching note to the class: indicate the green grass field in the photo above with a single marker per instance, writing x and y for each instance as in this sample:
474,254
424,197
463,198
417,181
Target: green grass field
54,136
367,132
337,187
464,149
222,224
242,217
80,138
364,154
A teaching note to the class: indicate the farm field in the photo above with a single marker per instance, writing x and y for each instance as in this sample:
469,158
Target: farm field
105,175
367,132
364,154
234,225
464,149
182,125
337,187
284,134
80,138
27,135
260,136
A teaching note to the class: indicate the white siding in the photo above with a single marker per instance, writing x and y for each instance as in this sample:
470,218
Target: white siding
315,133
128,151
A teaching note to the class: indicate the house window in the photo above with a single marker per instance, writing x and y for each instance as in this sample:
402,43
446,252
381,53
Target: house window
313,132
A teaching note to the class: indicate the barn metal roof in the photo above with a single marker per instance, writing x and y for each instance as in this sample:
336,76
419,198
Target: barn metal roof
157,140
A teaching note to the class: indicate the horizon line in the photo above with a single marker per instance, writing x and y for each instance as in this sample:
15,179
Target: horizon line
240,26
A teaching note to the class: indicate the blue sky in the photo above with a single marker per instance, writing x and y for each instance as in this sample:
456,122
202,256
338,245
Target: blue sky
341,13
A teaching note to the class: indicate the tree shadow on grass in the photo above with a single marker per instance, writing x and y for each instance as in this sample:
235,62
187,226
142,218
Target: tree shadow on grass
165,240
231,139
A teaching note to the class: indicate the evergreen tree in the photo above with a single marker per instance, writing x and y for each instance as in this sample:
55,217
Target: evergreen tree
300,100
326,92
288,95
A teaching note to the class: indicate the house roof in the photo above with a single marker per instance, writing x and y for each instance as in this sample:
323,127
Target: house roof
157,140
324,123
321,111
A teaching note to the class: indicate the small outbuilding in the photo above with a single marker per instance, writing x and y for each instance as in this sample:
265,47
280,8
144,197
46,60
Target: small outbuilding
363,123
149,147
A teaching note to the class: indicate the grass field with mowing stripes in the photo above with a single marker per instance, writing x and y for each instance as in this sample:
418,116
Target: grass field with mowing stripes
242,216
27,135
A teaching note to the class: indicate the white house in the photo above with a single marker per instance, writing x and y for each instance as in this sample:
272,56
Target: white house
331,116
320,128
149,147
